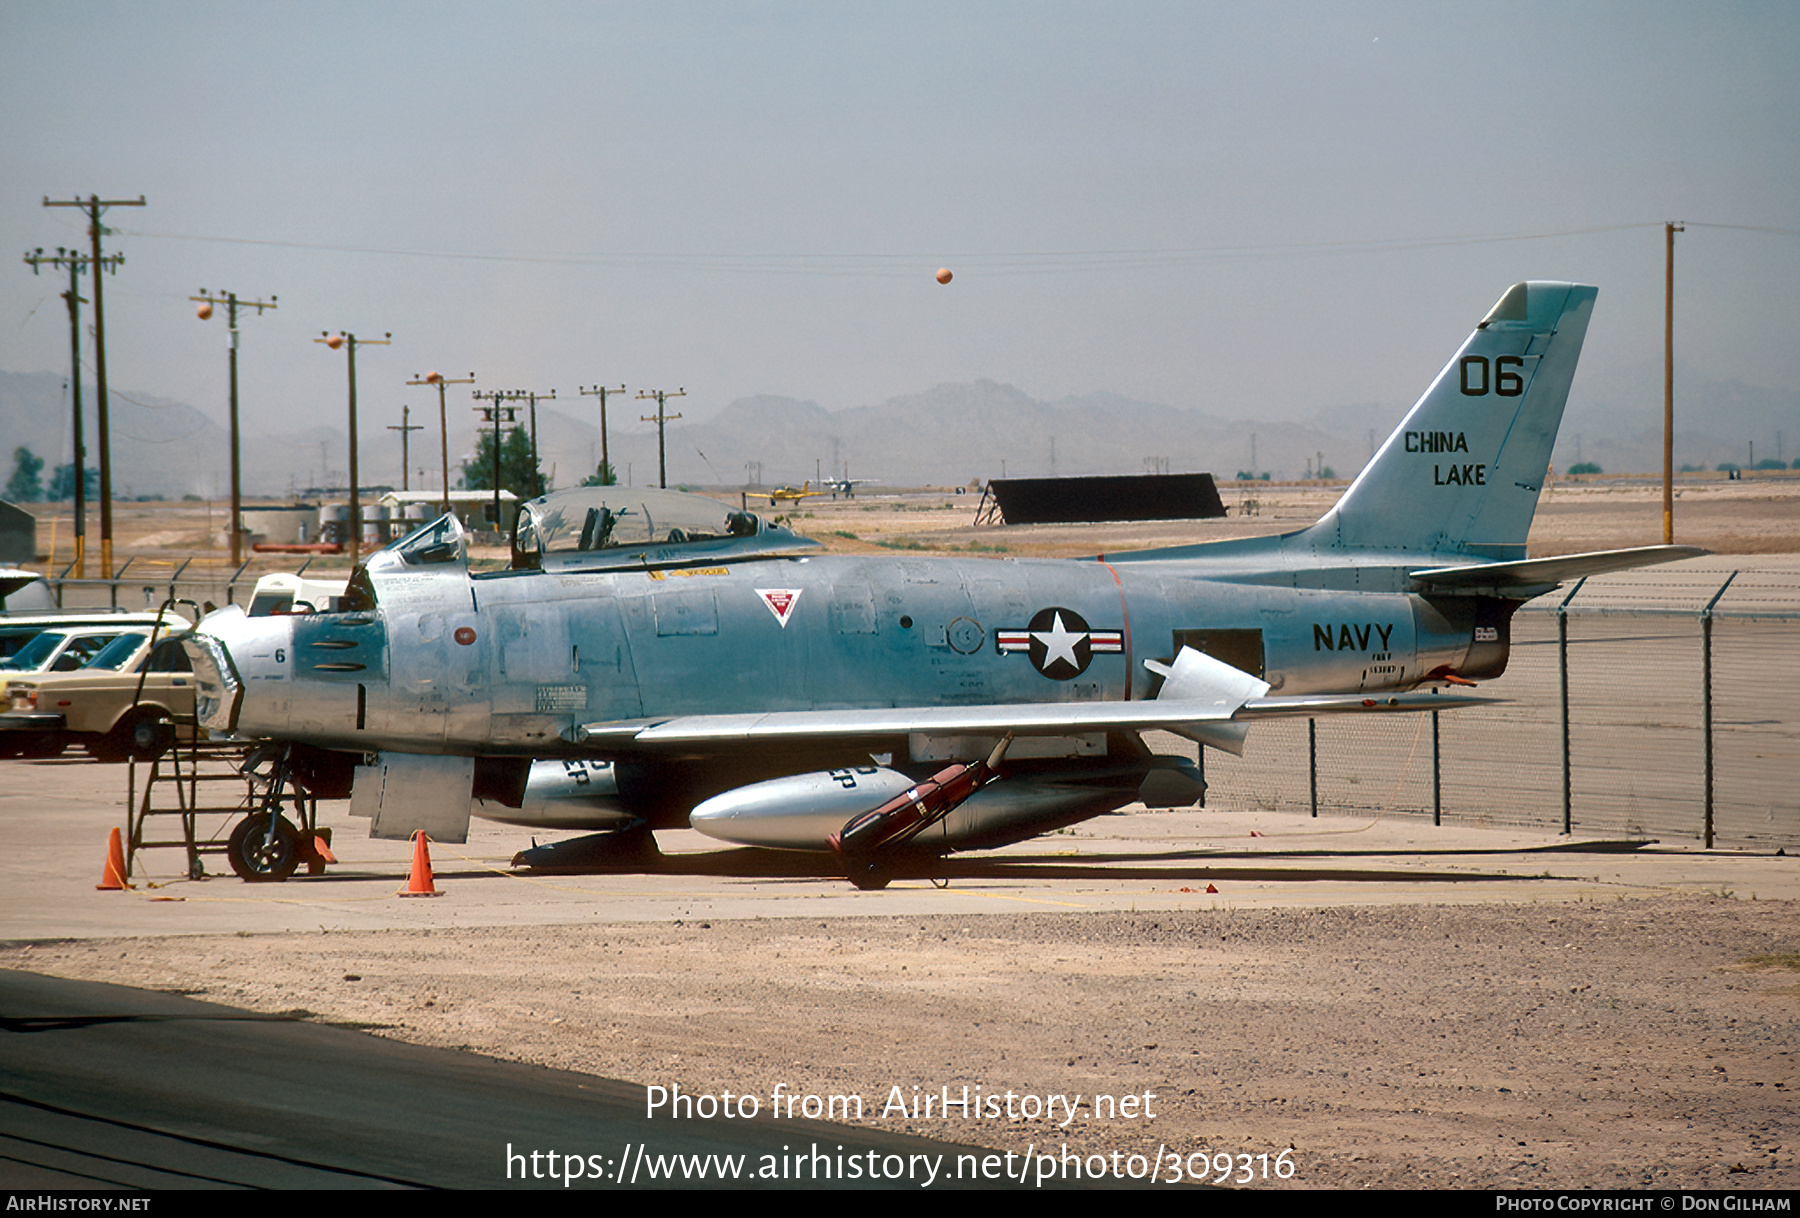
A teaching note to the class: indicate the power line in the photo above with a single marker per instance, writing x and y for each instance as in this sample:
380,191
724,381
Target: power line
661,418
492,414
904,264
600,391
94,205
77,263
406,427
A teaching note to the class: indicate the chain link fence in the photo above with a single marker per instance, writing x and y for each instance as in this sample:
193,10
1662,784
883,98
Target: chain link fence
1662,704
145,583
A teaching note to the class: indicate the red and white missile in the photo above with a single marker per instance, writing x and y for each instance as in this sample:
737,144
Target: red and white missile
816,811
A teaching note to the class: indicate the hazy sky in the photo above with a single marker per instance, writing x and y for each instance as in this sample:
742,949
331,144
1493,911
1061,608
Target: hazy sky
1256,210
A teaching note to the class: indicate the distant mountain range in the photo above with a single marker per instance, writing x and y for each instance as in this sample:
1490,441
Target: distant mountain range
950,434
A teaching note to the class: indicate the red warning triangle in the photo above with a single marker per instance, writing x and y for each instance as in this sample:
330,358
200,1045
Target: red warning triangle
780,601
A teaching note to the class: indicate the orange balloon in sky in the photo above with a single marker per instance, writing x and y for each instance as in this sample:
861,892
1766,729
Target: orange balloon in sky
335,341
943,275
205,311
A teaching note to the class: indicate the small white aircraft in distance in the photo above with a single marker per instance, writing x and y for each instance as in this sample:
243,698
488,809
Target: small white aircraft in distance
691,664
846,486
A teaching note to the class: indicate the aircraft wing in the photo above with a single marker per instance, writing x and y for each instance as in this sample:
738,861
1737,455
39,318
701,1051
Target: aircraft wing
1538,572
1202,698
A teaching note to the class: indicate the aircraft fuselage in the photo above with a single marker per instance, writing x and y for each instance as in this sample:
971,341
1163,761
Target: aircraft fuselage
508,663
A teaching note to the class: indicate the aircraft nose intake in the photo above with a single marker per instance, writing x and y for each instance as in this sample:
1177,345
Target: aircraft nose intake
229,650
218,691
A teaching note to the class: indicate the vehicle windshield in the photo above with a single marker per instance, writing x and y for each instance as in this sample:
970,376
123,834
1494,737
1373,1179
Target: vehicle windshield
34,654
116,654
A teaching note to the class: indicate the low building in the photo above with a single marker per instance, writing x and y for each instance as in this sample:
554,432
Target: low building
18,535
473,508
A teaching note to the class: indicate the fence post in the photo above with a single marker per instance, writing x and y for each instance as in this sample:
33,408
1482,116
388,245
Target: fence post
1706,700
232,583
1437,790
1312,761
1562,674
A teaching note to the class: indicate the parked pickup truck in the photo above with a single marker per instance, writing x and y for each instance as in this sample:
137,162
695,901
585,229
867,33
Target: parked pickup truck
123,703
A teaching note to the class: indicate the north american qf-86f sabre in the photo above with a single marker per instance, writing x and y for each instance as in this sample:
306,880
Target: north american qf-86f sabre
676,662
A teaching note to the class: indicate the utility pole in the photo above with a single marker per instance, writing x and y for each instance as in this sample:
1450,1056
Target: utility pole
438,379
94,205
537,477
205,311
406,425
491,414
76,262
600,391
661,418
1669,230
350,341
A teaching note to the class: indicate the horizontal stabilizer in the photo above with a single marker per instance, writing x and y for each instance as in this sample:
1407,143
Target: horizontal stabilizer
1538,572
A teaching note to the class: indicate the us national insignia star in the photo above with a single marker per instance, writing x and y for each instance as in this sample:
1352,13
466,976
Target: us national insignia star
1059,642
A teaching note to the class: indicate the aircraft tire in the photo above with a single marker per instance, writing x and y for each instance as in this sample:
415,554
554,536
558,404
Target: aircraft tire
256,863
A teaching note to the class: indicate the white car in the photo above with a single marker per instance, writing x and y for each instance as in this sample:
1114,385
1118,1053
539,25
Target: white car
63,642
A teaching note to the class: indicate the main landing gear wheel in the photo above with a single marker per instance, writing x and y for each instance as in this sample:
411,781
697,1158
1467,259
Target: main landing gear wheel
258,859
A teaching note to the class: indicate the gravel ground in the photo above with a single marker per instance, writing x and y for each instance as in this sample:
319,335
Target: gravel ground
1619,1045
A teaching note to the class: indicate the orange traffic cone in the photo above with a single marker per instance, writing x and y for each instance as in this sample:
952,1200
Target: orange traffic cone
420,885
113,878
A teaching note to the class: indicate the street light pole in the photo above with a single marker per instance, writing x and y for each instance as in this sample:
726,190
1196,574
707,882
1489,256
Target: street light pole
438,379
232,304
351,342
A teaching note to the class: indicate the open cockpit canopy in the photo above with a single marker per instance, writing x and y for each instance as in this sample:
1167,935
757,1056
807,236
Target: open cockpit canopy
601,527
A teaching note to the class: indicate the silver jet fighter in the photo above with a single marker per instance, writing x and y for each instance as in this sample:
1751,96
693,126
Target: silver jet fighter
668,661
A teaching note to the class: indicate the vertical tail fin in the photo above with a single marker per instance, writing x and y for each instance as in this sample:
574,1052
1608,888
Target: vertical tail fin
1462,473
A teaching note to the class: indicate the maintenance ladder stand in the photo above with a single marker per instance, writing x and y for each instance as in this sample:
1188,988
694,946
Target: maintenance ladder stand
175,785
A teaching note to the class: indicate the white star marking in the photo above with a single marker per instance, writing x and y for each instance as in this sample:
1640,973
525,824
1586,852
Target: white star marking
1059,643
